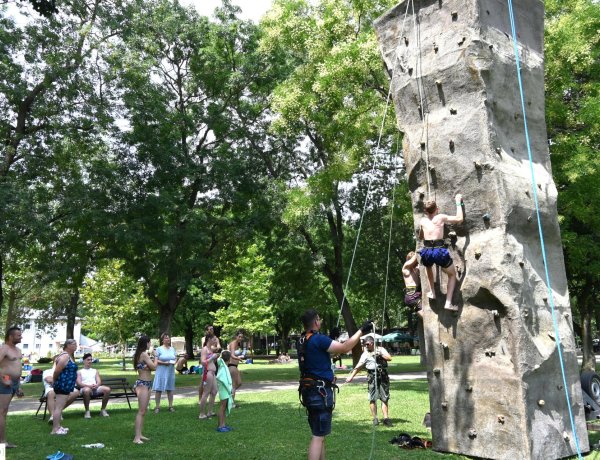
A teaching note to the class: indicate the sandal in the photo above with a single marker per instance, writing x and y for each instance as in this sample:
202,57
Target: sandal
202,417
171,409
157,410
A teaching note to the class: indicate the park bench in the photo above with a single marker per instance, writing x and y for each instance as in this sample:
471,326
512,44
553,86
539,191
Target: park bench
119,388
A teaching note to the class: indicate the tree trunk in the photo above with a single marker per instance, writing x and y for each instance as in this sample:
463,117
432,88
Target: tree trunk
338,291
189,340
72,313
422,342
11,314
589,359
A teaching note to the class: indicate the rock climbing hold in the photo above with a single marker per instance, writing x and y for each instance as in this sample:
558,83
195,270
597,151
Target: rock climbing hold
472,433
444,345
437,371
491,47
551,335
559,387
469,388
517,115
452,234
406,41
529,218
438,82
431,168
540,186
451,145
454,15
522,264
565,436
501,419
527,192
477,254
487,217
541,403
498,150
490,353
496,313
421,194
453,111
477,164
444,405
566,314
536,367
462,40
512,149
545,299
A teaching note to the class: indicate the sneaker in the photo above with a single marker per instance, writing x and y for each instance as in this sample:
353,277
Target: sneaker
387,422
50,420
104,413
60,432
375,421
223,429
87,414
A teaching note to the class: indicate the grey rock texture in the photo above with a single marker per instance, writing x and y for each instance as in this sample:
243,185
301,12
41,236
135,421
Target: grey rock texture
495,382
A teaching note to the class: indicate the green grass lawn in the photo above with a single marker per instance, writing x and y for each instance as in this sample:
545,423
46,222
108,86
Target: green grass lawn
267,426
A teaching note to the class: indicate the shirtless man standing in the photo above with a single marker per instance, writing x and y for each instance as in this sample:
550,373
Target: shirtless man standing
10,371
434,250
412,283
236,377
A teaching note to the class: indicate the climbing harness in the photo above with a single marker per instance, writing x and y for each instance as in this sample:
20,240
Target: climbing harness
540,229
309,382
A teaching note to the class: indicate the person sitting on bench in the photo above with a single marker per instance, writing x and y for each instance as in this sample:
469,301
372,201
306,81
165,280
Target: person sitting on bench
90,385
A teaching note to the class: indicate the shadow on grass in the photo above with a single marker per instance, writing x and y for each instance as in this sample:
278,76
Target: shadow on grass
267,426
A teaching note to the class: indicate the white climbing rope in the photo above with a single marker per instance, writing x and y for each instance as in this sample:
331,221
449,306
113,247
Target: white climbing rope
424,111
371,175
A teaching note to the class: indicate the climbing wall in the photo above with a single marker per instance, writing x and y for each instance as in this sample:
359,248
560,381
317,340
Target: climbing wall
495,383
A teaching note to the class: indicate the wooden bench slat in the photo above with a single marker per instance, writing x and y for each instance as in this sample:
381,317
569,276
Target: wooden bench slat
123,387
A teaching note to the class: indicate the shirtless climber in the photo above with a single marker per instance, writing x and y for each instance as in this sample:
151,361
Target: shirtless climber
412,283
434,250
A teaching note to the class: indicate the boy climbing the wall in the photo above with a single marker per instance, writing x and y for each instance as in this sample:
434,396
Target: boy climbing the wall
434,249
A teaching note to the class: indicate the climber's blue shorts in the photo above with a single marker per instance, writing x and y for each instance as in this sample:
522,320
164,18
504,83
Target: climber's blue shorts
438,256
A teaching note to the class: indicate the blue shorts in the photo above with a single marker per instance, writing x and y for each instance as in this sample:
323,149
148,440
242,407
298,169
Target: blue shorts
438,256
320,410
9,389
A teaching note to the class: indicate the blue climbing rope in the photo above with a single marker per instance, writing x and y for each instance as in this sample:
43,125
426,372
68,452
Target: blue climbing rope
540,230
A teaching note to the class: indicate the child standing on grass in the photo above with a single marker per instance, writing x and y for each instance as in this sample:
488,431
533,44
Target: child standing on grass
225,387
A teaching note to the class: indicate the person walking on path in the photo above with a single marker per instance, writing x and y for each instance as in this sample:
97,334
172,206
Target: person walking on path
375,360
10,365
316,377
435,251
164,379
64,378
144,367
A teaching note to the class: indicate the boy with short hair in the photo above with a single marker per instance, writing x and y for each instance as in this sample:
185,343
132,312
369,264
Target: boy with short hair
225,388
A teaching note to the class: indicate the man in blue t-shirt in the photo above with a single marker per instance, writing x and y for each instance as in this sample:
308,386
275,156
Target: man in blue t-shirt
316,379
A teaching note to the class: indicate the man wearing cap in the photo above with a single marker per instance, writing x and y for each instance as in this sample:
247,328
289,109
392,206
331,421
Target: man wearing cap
375,360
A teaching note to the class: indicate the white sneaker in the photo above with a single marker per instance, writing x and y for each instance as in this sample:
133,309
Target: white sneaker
87,414
104,413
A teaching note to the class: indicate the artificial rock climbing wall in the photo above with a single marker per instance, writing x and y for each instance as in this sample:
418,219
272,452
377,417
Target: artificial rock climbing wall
495,382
